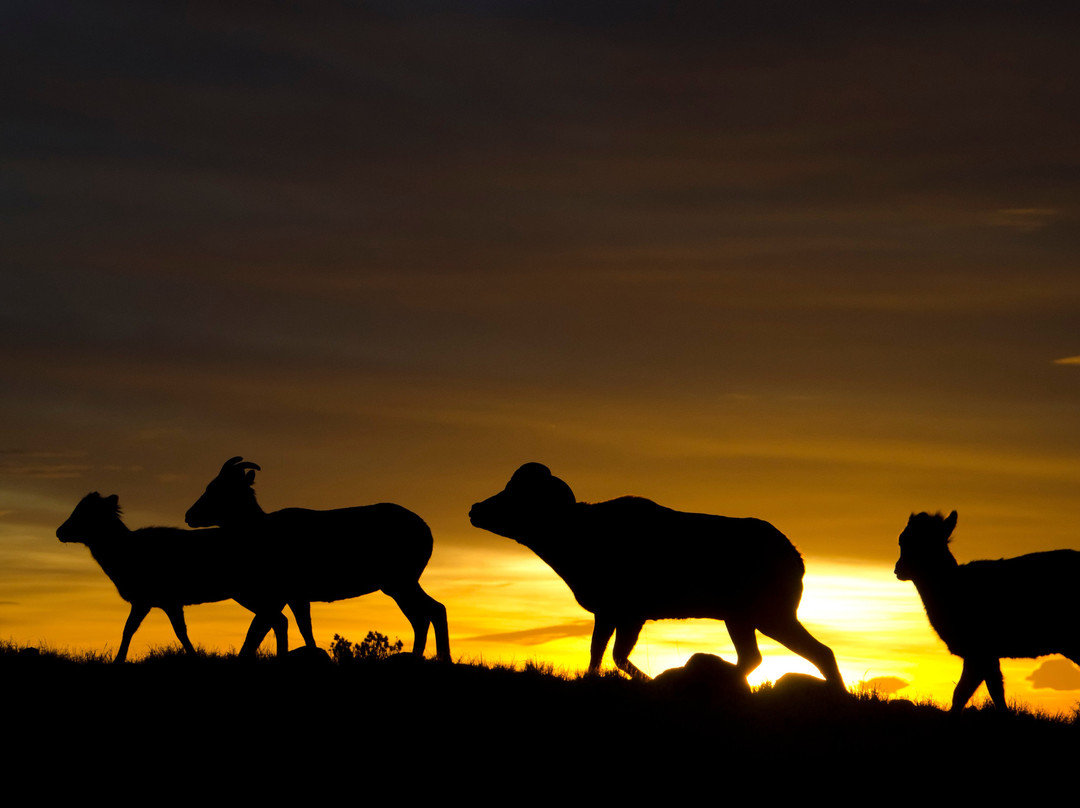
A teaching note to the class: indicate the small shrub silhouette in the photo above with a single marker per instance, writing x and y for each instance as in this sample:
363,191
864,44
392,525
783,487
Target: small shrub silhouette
373,646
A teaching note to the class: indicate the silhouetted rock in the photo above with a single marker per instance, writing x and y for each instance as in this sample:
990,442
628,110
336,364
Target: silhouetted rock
308,656
704,677
802,685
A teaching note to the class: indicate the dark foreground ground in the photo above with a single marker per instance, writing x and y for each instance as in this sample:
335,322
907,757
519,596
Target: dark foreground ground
178,730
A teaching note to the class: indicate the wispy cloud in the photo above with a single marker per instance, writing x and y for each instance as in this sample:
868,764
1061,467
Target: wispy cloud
1068,360
538,636
41,465
1024,219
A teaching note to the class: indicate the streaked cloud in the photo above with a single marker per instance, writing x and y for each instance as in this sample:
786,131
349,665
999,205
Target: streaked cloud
1025,220
42,465
538,636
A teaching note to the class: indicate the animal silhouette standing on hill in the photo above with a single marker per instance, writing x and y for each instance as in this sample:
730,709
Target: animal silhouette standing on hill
985,610
168,567
630,560
328,555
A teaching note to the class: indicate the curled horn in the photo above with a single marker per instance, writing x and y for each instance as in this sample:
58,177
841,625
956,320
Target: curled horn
235,464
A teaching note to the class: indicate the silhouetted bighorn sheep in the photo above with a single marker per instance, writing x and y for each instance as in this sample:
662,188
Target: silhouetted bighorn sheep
1021,607
630,560
330,555
167,567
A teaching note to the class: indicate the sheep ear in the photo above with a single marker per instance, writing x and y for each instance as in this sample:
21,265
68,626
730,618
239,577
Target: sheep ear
250,478
950,522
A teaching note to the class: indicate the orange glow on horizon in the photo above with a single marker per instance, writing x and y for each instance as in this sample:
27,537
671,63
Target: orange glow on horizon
507,606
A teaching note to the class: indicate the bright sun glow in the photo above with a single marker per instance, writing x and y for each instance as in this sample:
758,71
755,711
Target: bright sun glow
508,606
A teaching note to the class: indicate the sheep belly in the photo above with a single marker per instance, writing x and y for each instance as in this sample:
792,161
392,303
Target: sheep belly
157,567
715,596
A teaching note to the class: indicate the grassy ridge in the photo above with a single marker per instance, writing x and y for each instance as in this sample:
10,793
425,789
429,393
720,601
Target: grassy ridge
309,729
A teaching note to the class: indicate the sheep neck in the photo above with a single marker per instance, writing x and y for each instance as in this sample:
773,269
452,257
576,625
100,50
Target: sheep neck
108,549
551,552
561,549
940,591
247,513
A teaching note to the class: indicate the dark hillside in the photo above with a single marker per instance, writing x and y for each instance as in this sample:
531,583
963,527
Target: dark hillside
221,728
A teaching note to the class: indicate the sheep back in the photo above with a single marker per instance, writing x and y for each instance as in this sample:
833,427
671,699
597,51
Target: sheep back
1016,607
166,566
635,556
337,554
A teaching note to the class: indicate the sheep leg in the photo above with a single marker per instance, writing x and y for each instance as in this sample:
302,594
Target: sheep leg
995,683
626,637
135,617
976,672
302,614
601,635
176,617
970,679
442,631
437,613
280,626
744,638
422,610
793,635
255,633
260,627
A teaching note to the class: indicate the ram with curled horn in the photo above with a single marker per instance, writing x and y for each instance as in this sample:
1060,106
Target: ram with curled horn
328,555
629,560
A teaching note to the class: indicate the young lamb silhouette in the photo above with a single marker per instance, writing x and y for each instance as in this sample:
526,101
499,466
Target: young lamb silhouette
630,560
1021,607
329,555
167,567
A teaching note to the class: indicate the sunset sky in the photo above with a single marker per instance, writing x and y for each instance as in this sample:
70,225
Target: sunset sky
815,263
